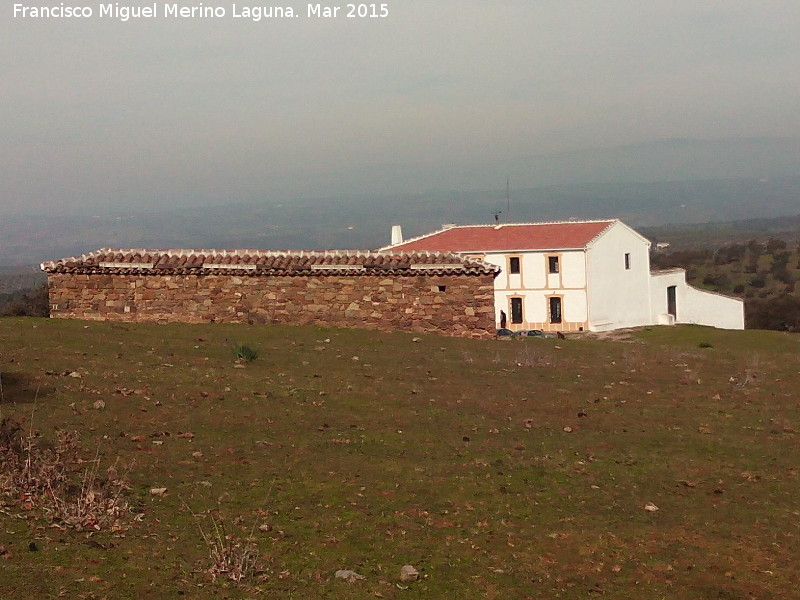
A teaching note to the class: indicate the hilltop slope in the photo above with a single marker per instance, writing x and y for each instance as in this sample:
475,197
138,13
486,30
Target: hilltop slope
499,469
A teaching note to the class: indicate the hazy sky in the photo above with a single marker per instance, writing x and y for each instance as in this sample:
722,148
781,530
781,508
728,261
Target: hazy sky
162,112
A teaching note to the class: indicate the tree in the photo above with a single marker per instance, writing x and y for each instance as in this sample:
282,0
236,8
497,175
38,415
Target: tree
774,245
781,313
33,303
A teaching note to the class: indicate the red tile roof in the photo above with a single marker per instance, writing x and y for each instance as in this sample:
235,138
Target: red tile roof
511,237
266,262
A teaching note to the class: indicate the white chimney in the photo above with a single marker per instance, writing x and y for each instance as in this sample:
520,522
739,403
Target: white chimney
397,235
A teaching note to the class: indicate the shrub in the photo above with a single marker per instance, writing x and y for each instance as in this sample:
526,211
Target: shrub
46,479
245,353
717,280
730,254
784,276
230,556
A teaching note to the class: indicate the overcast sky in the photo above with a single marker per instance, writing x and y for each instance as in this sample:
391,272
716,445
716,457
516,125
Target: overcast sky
168,112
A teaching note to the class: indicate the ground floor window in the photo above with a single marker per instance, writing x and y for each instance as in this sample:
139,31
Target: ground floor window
555,309
516,310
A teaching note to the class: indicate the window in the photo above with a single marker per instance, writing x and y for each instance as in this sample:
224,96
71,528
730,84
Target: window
516,310
627,261
513,264
442,288
552,264
555,309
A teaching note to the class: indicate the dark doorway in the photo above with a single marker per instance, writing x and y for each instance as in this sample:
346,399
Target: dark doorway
516,310
671,301
555,310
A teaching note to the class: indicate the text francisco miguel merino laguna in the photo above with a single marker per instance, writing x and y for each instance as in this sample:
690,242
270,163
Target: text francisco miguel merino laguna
200,11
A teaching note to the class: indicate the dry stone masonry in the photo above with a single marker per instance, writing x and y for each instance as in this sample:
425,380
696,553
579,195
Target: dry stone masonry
420,292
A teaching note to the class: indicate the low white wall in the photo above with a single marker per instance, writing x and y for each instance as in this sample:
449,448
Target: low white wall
694,306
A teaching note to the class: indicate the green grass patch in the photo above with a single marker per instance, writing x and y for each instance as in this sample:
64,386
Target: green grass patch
245,353
499,469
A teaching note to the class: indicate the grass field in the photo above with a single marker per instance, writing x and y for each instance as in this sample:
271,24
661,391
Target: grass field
499,469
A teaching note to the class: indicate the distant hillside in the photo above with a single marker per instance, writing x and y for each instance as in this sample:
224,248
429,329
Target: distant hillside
364,221
712,235
13,279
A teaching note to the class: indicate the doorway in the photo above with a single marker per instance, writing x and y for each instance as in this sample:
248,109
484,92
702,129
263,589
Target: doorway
672,303
555,309
516,310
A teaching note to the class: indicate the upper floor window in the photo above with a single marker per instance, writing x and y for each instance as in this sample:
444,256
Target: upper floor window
513,265
627,261
552,264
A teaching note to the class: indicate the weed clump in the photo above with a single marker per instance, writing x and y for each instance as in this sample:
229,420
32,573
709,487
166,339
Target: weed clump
54,480
230,556
245,353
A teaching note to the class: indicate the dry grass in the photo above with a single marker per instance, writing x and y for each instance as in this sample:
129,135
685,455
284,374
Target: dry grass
65,489
230,556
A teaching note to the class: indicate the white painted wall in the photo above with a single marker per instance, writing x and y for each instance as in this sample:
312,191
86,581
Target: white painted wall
573,269
574,306
536,308
693,306
618,297
534,284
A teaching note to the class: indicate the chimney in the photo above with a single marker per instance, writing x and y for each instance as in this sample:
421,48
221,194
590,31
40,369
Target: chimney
397,235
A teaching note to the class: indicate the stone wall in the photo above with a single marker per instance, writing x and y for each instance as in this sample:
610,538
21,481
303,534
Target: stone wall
460,305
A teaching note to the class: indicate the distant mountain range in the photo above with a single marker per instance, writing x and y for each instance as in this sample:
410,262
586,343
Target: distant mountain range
669,160
364,221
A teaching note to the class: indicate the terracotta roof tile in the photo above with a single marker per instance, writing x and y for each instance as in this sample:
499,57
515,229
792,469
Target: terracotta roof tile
504,238
263,262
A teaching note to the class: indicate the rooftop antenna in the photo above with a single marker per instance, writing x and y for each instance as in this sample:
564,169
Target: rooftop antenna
508,195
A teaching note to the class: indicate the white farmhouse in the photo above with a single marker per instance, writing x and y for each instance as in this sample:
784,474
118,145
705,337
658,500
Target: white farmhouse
578,276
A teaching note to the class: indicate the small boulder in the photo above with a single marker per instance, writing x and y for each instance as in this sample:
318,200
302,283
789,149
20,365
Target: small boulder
408,573
348,575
